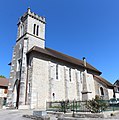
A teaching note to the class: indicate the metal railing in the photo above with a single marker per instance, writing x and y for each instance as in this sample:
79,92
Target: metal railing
80,106
67,106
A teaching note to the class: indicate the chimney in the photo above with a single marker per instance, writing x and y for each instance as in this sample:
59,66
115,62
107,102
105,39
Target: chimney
84,61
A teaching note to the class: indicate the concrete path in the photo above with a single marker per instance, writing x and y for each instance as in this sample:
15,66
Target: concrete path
13,114
17,115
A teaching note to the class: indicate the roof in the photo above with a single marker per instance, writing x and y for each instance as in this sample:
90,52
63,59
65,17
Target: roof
10,63
64,57
116,82
4,82
104,81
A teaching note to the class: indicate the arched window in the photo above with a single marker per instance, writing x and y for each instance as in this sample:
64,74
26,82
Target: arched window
34,29
57,71
37,30
22,29
70,74
53,95
101,91
21,32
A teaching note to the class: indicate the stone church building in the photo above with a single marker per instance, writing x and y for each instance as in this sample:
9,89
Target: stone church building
40,74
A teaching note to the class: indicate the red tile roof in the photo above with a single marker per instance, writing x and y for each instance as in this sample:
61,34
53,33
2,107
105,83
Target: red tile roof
4,82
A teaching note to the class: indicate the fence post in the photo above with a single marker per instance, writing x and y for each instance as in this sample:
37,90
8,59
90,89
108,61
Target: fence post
101,107
64,107
73,110
113,107
76,106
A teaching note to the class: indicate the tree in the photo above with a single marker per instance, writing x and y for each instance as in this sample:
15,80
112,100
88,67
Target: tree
1,76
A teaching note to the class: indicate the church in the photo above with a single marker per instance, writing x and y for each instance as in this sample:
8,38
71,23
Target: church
39,74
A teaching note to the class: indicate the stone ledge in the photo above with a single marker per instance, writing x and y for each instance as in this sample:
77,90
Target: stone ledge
93,115
37,117
39,113
78,115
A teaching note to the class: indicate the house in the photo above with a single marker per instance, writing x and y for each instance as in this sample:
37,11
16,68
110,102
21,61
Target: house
103,88
3,91
116,89
40,74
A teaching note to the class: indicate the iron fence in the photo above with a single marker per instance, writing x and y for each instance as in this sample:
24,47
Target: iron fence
67,106
80,106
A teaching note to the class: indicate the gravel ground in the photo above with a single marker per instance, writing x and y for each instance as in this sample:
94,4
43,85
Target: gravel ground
17,115
13,114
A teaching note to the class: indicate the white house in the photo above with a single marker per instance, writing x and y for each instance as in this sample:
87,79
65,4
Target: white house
3,91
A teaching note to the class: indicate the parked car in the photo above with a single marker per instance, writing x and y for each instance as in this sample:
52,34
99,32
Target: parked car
117,100
114,101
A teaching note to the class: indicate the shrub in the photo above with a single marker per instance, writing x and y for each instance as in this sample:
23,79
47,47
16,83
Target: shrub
96,105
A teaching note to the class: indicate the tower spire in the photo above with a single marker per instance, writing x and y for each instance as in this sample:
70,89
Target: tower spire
28,10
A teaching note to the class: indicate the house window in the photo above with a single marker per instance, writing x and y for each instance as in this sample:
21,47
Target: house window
57,71
70,74
118,89
37,30
102,91
34,29
5,91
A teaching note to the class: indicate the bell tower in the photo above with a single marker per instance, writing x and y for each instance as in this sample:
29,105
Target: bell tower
31,32
32,27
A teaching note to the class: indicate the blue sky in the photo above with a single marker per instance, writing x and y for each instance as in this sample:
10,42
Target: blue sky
80,28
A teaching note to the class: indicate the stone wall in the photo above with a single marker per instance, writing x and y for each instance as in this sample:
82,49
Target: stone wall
46,87
98,84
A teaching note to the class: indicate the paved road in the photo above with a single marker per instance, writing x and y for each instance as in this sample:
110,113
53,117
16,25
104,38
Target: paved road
17,115
13,114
